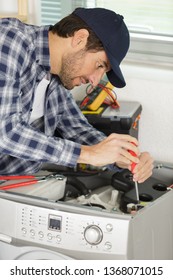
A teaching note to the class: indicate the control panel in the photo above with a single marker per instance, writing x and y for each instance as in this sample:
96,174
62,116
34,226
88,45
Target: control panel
63,230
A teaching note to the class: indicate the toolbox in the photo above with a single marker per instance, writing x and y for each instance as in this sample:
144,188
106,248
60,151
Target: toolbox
123,120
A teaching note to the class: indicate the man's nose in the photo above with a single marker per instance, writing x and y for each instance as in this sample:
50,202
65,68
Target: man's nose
95,79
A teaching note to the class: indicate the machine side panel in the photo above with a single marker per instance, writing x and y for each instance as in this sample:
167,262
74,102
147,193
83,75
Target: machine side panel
153,230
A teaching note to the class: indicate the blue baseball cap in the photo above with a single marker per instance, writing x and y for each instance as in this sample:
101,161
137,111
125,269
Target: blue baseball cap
114,35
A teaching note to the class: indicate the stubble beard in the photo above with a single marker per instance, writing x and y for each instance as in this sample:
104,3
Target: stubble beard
71,65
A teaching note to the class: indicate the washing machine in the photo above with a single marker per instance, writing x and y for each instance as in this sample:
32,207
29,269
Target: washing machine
105,223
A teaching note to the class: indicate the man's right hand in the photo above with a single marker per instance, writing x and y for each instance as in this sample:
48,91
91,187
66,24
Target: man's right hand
112,149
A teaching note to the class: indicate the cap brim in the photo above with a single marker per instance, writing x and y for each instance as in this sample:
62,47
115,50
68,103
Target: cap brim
115,75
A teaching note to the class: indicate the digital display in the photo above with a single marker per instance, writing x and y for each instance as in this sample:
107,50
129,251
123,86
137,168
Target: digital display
55,222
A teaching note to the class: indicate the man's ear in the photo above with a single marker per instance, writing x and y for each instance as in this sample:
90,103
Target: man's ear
80,38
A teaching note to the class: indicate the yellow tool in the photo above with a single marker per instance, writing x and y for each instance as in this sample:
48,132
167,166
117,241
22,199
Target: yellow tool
97,97
100,97
96,112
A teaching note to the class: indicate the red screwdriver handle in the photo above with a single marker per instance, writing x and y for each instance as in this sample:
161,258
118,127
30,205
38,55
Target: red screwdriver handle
133,164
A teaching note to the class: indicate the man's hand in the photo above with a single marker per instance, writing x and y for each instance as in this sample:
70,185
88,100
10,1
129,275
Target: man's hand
112,149
143,169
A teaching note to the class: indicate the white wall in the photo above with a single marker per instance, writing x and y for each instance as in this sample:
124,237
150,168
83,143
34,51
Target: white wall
151,86
8,6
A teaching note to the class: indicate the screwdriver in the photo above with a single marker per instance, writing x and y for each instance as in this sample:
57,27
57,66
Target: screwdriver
132,169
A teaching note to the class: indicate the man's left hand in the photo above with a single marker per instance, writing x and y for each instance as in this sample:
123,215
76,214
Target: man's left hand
142,170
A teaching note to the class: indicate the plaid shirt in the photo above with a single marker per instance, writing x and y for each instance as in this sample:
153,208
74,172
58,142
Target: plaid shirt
24,61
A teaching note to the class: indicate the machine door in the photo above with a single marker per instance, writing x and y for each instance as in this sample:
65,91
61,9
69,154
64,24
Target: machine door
10,252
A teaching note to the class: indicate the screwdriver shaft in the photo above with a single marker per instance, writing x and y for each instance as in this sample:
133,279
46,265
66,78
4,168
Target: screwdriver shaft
137,191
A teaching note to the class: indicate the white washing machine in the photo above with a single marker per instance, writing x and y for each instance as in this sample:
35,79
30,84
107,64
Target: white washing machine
88,227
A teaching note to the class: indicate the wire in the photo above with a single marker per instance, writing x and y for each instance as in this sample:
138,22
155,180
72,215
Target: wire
110,100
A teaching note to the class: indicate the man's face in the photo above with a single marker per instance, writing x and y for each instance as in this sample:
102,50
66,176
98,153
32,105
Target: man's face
83,67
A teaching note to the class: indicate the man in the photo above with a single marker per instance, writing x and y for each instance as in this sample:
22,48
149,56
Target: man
38,67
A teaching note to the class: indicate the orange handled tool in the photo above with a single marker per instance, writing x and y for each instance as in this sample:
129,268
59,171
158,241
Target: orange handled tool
32,180
133,164
132,170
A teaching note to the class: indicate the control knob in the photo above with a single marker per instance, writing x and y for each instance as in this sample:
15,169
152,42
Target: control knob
93,235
